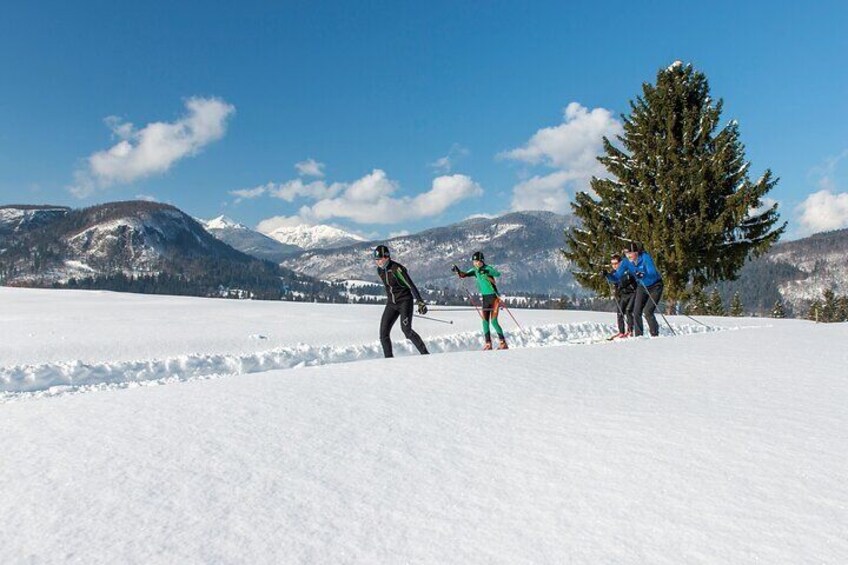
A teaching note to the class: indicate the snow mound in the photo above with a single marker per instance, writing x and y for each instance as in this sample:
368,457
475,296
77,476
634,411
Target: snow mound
49,379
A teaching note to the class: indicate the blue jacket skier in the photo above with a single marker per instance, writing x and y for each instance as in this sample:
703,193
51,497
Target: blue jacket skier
641,265
625,296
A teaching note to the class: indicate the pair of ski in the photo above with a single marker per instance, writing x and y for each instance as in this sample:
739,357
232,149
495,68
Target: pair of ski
618,336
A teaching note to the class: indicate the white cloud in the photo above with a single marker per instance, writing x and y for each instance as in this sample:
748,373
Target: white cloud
543,193
316,190
310,168
248,193
290,190
571,148
154,148
823,211
400,233
446,164
369,200
146,198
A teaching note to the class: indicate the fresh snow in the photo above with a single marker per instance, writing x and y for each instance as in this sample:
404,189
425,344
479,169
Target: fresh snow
314,237
221,223
726,445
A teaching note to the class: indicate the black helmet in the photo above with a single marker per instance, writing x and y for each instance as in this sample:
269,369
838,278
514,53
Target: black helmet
381,252
478,256
633,247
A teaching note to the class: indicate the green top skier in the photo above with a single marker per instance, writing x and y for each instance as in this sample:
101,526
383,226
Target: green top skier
485,275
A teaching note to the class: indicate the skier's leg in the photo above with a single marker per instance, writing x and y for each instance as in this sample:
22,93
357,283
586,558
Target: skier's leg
390,316
655,295
496,305
487,314
639,301
406,326
619,313
628,311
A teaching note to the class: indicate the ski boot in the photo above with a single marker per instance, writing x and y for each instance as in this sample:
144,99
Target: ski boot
503,345
488,346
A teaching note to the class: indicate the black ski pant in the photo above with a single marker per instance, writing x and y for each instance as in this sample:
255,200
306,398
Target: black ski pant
625,311
402,310
645,303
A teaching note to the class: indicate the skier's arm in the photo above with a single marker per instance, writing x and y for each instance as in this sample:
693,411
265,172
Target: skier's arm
404,277
464,274
619,272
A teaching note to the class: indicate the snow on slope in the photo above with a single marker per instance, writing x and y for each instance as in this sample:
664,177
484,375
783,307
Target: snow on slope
68,340
724,446
221,223
314,237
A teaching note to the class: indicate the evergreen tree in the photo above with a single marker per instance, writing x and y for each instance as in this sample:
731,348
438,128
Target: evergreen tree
829,308
736,308
699,305
716,307
814,313
842,309
679,184
778,311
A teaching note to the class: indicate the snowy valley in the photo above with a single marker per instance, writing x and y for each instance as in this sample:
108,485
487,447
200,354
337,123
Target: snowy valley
175,429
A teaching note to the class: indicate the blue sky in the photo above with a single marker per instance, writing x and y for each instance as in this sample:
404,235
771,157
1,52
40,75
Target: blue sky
385,117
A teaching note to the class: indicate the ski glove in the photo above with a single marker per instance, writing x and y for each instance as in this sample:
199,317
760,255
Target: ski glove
422,308
640,275
455,269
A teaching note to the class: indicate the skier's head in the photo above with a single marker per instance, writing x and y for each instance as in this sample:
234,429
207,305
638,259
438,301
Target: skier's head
615,260
477,259
381,255
633,250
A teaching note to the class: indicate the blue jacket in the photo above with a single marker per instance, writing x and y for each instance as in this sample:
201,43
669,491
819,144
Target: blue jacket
644,265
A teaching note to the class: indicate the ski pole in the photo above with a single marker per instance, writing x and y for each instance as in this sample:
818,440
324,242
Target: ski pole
617,305
656,307
457,309
508,311
471,299
433,319
697,321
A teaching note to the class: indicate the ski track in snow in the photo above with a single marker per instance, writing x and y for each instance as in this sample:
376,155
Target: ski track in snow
52,379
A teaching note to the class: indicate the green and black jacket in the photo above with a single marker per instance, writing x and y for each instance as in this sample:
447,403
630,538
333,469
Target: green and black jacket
398,283
485,276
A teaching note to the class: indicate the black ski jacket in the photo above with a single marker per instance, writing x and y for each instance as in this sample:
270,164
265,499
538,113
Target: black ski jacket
398,283
627,285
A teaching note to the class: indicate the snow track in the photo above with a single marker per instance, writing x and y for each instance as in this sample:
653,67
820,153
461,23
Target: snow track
51,379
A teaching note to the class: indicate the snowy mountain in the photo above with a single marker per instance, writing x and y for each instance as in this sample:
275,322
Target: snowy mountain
314,237
796,272
132,237
523,245
20,218
138,246
248,241
43,245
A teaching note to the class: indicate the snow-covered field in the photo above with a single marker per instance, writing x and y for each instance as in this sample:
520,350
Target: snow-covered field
280,436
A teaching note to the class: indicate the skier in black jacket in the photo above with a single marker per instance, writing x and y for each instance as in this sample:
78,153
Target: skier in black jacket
625,295
400,292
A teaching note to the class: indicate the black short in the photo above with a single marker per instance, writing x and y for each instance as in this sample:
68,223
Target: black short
491,303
